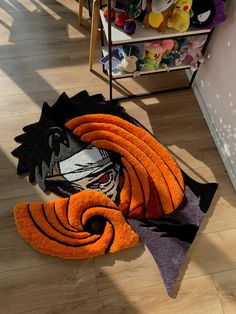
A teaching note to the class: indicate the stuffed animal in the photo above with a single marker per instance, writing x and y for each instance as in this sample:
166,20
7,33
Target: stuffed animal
192,51
207,13
202,13
131,62
154,51
152,19
180,18
157,14
130,27
166,15
105,14
120,19
174,56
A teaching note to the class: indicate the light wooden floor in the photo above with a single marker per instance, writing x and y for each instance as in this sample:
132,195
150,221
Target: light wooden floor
43,52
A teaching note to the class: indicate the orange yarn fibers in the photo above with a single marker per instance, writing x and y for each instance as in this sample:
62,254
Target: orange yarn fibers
150,162
60,228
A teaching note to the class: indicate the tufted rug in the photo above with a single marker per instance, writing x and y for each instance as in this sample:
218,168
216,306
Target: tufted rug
117,183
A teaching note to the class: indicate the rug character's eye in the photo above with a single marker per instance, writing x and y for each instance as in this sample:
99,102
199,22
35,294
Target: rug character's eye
104,178
185,8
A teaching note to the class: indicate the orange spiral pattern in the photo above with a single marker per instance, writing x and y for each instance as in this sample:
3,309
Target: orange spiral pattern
58,228
153,182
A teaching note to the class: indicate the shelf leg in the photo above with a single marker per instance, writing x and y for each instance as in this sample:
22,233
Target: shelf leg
94,33
81,6
110,48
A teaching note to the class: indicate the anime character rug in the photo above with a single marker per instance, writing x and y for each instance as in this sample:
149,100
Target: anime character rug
117,185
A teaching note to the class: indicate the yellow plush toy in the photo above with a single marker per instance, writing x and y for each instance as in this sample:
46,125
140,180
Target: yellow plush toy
180,18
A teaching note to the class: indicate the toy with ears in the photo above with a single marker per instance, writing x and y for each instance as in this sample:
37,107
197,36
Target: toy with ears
154,51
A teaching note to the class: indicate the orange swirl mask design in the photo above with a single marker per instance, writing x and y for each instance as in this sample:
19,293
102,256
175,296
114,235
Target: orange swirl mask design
86,224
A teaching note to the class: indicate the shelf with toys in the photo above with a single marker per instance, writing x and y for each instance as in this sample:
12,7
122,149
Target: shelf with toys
119,73
154,36
155,56
119,37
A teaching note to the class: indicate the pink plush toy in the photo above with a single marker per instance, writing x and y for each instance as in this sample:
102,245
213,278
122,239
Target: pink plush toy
154,51
192,51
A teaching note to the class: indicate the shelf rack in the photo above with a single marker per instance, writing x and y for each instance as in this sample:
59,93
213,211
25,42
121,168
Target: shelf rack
116,37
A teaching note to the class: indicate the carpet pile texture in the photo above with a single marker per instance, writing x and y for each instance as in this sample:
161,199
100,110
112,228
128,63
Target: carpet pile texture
116,182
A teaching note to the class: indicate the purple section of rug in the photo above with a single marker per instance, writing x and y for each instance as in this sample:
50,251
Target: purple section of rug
169,238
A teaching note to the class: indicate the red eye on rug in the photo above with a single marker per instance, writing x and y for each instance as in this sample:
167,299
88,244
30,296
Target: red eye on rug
185,8
104,178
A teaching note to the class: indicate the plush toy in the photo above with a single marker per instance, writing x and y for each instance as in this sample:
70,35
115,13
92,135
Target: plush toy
202,13
120,19
180,18
130,27
157,13
131,62
105,13
192,51
154,51
166,15
174,56
207,13
152,19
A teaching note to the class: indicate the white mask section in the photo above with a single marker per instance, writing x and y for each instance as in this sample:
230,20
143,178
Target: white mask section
84,163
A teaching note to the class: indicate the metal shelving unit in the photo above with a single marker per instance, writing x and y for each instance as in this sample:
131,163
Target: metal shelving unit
117,37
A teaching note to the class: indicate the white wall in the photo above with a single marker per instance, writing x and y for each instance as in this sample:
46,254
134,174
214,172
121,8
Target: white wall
215,89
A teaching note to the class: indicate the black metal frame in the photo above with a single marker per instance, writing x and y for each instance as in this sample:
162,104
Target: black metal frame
111,78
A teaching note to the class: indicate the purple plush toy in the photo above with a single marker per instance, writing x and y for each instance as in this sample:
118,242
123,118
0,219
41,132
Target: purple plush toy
219,16
207,13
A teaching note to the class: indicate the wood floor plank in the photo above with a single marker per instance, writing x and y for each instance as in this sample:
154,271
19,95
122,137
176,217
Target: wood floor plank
46,285
12,126
222,215
13,185
38,16
48,79
226,286
7,205
21,104
39,47
152,300
196,154
15,34
210,253
180,130
30,64
191,299
213,173
134,267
